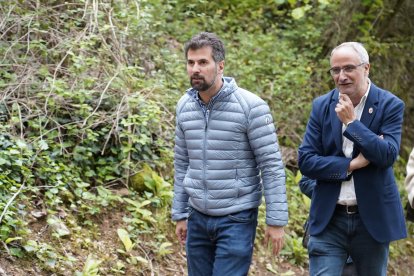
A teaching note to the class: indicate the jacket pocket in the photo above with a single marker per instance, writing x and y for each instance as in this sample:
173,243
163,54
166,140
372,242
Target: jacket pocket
244,216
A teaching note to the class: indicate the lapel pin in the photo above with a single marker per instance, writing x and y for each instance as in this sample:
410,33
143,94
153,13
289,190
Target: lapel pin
370,110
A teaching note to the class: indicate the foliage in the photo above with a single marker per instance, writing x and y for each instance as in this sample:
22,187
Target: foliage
386,29
268,51
153,186
80,113
87,97
293,251
90,268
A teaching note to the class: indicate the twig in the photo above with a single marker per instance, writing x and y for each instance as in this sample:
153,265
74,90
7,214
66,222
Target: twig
7,249
100,99
23,81
11,200
21,122
149,260
376,19
103,40
113,29
14,42
52,129
114,183
3,23
2,272
128,169
85,8
58,67
28,38
114,125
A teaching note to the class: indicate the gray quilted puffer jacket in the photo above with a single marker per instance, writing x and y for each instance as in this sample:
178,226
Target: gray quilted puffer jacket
225,164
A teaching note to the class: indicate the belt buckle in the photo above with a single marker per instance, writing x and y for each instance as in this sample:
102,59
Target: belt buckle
349,212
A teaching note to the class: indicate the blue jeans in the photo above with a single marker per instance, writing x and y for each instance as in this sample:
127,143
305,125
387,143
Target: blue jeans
220,245
346,235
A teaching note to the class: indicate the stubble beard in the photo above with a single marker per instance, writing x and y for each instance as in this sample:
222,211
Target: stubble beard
201,85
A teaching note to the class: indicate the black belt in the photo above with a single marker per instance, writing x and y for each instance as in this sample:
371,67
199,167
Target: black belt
349,209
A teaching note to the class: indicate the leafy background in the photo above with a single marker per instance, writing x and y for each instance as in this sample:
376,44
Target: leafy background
88,90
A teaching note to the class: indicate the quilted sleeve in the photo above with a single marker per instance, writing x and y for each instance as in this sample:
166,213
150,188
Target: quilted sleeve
263,141
181,161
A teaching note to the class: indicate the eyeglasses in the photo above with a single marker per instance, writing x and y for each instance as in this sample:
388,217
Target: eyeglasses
347,69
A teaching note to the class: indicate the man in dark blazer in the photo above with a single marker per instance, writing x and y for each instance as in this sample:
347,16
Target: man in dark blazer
351,143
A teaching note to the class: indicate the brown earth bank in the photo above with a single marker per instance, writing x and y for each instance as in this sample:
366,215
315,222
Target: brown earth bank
175,266
103,242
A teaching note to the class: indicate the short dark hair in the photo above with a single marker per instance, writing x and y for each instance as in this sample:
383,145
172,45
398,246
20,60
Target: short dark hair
205,39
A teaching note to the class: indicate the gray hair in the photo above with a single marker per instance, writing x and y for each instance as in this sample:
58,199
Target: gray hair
205,39
357,47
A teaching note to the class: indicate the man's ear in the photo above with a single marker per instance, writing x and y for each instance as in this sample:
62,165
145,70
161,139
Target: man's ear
367,66
221,67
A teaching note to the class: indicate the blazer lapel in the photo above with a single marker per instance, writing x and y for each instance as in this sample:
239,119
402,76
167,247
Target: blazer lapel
371,106
336,123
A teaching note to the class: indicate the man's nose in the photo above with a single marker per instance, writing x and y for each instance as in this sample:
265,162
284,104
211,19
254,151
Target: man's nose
342,75
196,68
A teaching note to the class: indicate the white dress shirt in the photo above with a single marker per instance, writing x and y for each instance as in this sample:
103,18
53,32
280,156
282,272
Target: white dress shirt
347,195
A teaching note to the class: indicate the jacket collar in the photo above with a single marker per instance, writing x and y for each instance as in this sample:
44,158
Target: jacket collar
229,86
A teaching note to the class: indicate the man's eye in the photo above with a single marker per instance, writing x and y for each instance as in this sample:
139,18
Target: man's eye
336,70
349,68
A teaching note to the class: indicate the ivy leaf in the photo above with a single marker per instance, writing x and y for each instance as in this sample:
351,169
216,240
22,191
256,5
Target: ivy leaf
58,226
17,252
43,145
30,246
21,144
4,161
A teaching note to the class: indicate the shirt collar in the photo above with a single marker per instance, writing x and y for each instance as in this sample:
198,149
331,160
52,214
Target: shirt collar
198,98
364,98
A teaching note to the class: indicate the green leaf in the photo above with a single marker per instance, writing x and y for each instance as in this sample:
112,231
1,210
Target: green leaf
324,2
91,267
4,161
165,249
270,268
142,260
9,240
288,273
43,145
21,144
17,252
298,13
124,236
51,262
31,246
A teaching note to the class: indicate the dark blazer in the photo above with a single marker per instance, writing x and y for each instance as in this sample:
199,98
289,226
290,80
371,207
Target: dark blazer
307,185
321,158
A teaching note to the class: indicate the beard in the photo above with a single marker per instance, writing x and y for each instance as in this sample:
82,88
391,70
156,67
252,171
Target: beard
199,83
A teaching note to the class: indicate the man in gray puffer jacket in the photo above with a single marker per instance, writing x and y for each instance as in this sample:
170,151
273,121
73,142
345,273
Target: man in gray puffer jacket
226,158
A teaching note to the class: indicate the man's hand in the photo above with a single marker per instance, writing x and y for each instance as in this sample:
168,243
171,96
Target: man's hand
275,235
345,109
181,231
358,162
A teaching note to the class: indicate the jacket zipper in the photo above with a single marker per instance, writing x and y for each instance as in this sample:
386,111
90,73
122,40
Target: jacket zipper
205,167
